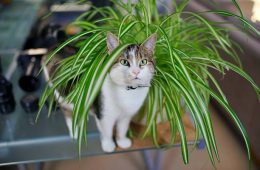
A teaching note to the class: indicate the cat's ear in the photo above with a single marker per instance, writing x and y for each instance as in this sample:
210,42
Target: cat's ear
112,42
150,42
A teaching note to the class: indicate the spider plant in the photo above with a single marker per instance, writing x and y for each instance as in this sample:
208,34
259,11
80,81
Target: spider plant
187,49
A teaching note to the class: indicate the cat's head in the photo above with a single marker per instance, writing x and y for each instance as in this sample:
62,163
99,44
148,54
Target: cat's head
136,65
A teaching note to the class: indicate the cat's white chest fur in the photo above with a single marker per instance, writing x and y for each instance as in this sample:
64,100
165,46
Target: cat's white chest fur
119,105
120,101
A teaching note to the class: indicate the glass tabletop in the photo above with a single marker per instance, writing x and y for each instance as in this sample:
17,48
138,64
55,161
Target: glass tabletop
23,140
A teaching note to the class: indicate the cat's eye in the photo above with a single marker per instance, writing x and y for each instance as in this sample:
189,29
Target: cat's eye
143,62
124,62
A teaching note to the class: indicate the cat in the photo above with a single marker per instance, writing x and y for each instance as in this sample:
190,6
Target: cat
123,92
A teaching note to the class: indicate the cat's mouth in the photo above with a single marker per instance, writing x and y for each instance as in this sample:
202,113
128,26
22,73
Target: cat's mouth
136,78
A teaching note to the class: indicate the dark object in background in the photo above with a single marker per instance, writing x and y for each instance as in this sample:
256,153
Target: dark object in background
31,66
101,3
45,36
29,103
51,35
5,2
7,103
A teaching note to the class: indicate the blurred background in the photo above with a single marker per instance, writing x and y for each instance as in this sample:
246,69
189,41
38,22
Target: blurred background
41,24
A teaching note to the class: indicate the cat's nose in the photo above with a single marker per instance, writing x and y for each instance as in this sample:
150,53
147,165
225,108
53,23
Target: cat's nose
136,71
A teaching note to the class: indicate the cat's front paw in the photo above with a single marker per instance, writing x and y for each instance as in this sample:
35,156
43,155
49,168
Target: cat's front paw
108,145
124,143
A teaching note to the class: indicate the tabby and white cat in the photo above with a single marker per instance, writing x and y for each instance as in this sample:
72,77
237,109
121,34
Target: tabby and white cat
123,91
